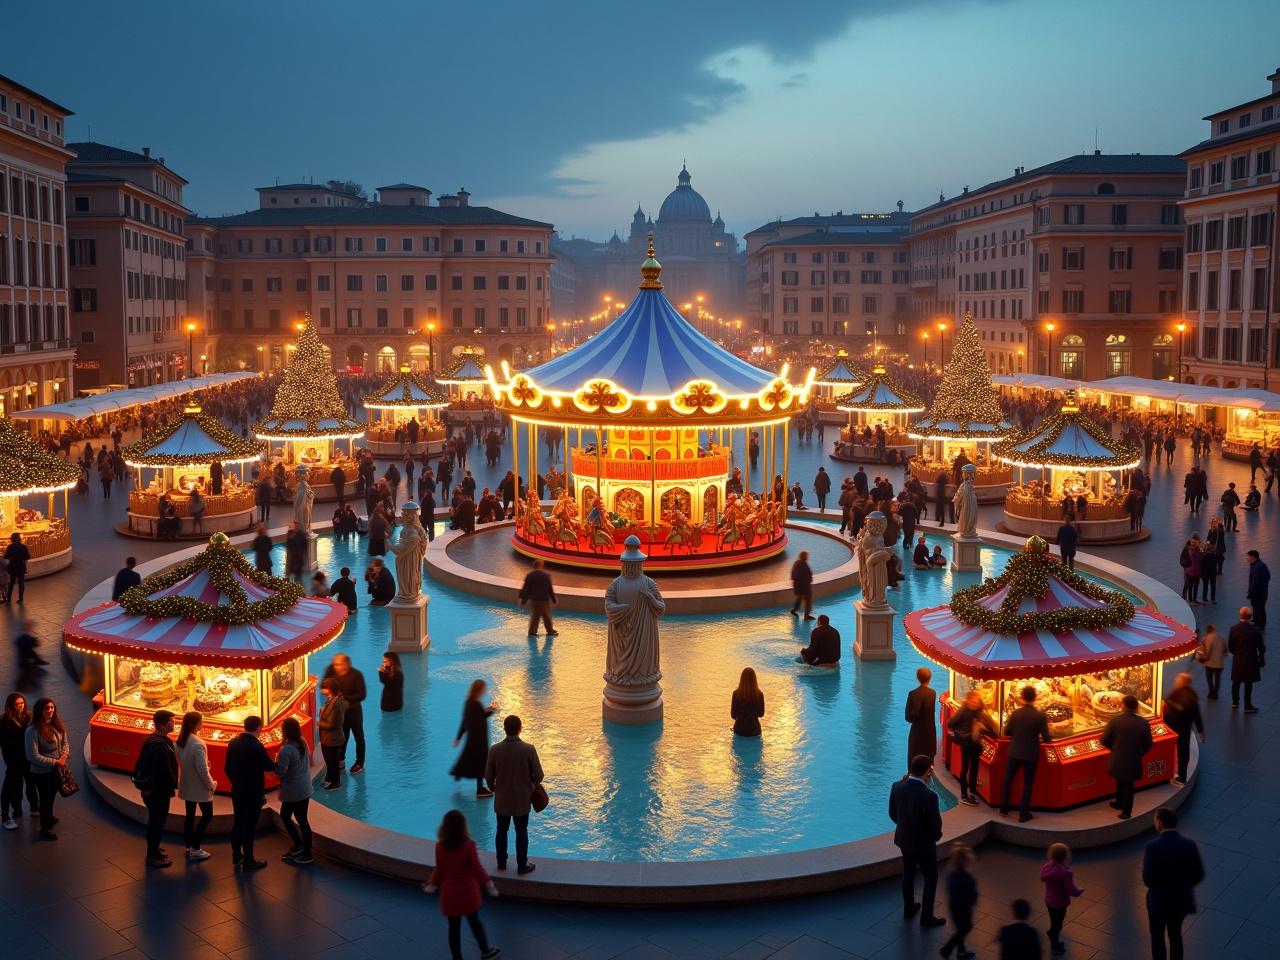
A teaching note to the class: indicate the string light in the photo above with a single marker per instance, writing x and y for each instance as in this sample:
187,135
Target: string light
404,391
892,398
1034,449
308,393
223,446
965,397
27,468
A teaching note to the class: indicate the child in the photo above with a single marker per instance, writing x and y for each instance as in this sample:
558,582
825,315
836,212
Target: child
962,896
1059,888
460,880
1017,940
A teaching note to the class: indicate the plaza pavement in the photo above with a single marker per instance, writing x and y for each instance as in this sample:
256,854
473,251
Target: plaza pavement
89,895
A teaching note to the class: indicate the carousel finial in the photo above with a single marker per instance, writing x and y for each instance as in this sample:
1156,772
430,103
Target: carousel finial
1036,545
651,269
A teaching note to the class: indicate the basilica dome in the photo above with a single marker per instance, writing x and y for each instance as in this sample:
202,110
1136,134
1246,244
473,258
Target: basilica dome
684,203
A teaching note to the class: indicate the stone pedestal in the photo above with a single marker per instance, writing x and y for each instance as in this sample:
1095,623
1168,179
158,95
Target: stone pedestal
874,637
966,554
312,562
409,625
632,704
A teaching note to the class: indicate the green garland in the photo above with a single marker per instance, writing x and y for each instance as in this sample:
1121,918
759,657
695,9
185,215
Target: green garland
233,446
1027,575
405,382
222,561
1051,429
26,467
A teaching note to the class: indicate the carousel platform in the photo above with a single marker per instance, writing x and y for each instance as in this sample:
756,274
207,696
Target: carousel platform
666,557
868,453
383,449
1095,533
143,526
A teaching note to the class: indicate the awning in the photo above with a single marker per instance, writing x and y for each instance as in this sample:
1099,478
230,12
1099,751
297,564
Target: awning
82,408
1251,398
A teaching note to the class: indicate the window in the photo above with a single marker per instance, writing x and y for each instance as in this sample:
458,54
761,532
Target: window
790,327
520,249
815,258
246,318
1106,188
522,283
790,278
382,317
1044,216
790,304
85,299
1167,301
1170,258
355,283
273,245
456,317
480,246
273,284
1193,290
1118,363
244,245
477,318
1119,214
1122,258
1072,301
1073,258
300,285
504,246
1235,232
868,256
1260,230
1256,345
354,320
430,244
1119,301
380,283
816,327
1233,290
817,304
457,248
1209,344
429,282
380,244
1212,235
353,244
522,314
322,283
1073,213
840,256
870,276
817,278
455,283
1215,172
1042,259
406,244
870,304
901,276
1169,214
788,258
84,253
1268,113
1197,178
1245,120
406,317
504,282
839,304
80,202
246,284
840,276
406,282
1211,290
1231,344
1262,162
1259,299
1239,167
478,283
273,319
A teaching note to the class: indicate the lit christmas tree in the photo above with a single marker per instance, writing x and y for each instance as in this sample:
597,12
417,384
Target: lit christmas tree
965,395
309,393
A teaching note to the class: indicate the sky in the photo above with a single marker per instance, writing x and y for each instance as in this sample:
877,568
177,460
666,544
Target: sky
572,112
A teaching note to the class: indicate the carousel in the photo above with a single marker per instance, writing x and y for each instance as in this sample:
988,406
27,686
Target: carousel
211,635
403,417
651,408
187,456
878,407
1069,466
468,385
963,423
27,470
837,378
1082,647
307,421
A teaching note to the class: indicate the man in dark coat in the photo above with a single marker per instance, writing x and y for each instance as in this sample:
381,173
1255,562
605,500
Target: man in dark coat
1230,500
1067,543
126,577
1026,729
262,550
1128,737
821,487
921,707
1248,656
860,483
156,777
344,588
1259,584
247,764
824,644
908,515
215,478
1171,868
941,502
381,584
338,477
802,585
352,687
913,808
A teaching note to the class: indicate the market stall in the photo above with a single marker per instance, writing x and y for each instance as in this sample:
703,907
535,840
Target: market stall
1069,465
838,377
175,461
468,386
1084,648
212,635
404,416
27,471
877,430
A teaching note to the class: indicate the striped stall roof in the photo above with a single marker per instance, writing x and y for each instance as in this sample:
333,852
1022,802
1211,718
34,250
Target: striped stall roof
840,374
467,370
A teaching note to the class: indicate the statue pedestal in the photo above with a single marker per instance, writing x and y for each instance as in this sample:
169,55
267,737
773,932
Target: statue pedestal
874,637
632,705
966,554
312,562
409,625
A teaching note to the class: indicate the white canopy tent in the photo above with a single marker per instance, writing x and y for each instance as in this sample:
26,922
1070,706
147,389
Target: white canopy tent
1248,398
82,408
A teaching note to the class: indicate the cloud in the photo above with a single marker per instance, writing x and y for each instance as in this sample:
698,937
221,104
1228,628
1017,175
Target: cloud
795,80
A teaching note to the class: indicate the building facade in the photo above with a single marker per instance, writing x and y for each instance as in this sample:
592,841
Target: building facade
1230,286
394,281
815,284
36,358
1073,268
127,253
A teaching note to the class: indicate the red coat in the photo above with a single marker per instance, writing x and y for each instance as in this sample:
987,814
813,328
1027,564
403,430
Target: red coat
460,878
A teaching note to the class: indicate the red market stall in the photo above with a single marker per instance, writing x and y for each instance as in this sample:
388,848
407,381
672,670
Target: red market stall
212,635
1083,648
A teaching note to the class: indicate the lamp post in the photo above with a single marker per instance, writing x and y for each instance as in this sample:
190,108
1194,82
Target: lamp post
1021,365
204,363
1048,345
942,343
191,359
261,368
1181,327
924,338
551,337
431,351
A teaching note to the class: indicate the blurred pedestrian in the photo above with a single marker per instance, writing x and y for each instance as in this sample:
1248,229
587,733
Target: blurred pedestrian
1212,652
351,682
962,897
459,878
1059,888
539,593
1018,941
1182,714
1171,870
474,726
126,577
802,585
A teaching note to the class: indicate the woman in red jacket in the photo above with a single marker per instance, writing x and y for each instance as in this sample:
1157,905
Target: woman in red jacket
459,878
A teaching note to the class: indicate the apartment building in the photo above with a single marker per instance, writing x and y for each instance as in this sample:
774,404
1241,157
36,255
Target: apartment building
396,280
127,252
1229,287
35,350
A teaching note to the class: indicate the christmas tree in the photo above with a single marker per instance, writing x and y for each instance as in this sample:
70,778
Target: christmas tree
309,391
966,395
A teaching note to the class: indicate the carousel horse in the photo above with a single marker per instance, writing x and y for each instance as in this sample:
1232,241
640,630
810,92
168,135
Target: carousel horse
563,532
683,534
598,539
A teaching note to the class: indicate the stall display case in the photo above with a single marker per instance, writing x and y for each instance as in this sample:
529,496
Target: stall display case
28,471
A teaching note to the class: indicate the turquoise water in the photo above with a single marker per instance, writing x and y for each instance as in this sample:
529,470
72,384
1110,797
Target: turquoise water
684,789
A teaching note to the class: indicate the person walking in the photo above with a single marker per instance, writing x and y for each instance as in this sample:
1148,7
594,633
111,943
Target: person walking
17,556
908,516
459,879
913,808
513,771
824,645
920,710
1059,887
1190,561
968,726
391,676
1067,537
821,487
247,763
262,495
48,753
474,726
1212,652
17,769
1128,737
1213,555
1171,870
539,593
802,585
1248,656
962,897
1182,713
293,767
156,777
333,714
1018,941
295,552
1026,729
262,550
1230,500
746,706
195,785
126,577
1259,585
351,683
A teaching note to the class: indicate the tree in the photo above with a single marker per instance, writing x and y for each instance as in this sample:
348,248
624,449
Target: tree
966,394
349,187
309,390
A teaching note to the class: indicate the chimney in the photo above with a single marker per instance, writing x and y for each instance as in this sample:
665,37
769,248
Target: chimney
447,200
146,151
1275,81
463,196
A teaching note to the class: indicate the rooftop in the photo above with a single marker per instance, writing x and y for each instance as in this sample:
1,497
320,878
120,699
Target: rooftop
371,215
864,221
402,186
24,89
841,238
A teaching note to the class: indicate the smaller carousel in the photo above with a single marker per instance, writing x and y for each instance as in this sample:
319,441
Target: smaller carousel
1083,474
468,386
877,430
404,417
211,635
963,423
1082,647
188,460
27,470
837,378
307,421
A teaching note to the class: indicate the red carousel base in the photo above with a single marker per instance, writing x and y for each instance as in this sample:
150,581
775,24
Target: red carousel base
673,557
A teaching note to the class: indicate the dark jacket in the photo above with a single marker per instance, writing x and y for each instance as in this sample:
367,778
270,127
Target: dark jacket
247,765
475,749
537,586
1019,941
17,554
1128,737
1259,581
1067,540
511,772
13,744
382,588
1026,729
344,588
923,738
746,716
801,577
824,645
962,895
156,772
392,690
1248,653
1171,868
126,577
913,807
350,685
262,552
1182,710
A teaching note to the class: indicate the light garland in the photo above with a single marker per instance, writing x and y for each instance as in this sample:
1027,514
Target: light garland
966,396
398,394
225,446
308,393
1033,448
27,468
860,400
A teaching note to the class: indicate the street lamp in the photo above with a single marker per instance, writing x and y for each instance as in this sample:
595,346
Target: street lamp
942,343
204,363
924,337
1181,327
1048,345
431,351
551,337
191,364
261,369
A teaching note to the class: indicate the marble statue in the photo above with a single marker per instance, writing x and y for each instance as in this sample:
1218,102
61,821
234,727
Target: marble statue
966,503
304,498
633,605
873,561
409,550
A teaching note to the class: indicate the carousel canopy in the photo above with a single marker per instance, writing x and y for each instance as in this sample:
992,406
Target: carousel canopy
1068,439
405,391
26,467
1040,619
196,439
307,404
213,610
839,374
879,394
465,371
966,406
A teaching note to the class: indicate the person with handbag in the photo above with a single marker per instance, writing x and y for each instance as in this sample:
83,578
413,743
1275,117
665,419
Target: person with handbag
156,777
48,753
514,774
967,727
1212,652
459,878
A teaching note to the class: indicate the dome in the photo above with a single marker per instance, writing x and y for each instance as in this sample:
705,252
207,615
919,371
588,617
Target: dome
684,203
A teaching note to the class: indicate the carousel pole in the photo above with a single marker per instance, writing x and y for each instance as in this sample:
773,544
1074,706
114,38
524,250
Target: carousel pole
533,460
786,453
515,457
655,515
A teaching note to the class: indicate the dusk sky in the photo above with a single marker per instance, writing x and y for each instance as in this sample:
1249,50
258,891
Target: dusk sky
573,112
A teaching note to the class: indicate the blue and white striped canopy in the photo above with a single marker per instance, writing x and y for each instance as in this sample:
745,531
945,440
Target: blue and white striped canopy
840,374
650,350
467,371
